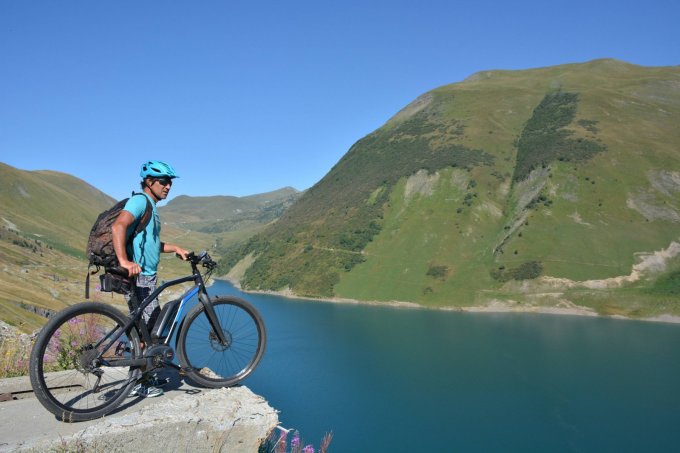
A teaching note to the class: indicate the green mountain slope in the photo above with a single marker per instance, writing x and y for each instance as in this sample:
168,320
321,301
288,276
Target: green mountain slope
537,187
38,202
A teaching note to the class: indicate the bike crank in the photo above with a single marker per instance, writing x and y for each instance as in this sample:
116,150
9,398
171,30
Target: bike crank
159,355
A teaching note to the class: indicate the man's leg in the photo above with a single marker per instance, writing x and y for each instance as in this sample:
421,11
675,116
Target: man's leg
146,284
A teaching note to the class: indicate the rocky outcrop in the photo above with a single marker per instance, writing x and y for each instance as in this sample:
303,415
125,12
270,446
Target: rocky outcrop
222,420
40,311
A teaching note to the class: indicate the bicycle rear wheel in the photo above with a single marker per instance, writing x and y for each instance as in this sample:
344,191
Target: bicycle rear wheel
66,375
212,364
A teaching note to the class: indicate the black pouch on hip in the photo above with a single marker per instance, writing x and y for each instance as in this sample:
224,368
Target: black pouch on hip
112,283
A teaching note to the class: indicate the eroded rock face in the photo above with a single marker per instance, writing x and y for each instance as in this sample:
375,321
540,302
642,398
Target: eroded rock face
226,420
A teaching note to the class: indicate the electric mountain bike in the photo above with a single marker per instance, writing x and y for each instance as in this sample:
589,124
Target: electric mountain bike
89,356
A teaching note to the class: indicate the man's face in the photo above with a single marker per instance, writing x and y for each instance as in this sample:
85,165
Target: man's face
162,187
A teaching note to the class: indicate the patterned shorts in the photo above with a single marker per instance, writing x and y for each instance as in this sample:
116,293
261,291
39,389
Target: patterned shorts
146,284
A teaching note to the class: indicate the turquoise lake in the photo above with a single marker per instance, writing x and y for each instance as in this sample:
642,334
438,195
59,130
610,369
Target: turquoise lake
386,379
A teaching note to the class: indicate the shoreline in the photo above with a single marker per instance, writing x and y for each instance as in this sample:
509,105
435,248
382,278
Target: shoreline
495,307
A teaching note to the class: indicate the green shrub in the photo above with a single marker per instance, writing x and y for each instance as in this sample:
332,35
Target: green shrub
525,271
438,271
545,139
667,285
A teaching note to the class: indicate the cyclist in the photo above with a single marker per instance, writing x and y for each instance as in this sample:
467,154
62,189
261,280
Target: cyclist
141,261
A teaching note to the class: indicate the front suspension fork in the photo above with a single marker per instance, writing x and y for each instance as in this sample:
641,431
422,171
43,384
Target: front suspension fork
212,317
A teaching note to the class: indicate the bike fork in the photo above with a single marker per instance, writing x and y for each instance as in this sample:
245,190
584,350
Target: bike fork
212,318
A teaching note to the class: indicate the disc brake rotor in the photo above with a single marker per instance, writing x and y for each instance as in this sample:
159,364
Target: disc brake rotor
215,342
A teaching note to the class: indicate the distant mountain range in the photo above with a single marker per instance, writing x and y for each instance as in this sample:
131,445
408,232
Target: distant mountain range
555,186
223,213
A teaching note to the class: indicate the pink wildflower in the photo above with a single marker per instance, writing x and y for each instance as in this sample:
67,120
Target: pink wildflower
296,440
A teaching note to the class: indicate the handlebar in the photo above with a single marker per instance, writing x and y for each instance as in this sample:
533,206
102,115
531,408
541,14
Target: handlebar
203,258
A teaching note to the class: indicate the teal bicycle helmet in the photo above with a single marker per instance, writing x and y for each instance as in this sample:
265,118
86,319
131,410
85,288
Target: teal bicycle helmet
157,169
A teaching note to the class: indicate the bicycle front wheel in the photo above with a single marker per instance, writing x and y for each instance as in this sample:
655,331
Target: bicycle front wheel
69,366
211,363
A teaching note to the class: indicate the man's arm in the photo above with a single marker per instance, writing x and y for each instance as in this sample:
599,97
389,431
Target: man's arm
170,248
119,230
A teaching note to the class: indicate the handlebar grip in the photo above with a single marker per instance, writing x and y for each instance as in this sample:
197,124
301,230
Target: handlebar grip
190,256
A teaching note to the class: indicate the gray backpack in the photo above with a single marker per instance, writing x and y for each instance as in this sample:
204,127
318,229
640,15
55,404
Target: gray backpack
99,248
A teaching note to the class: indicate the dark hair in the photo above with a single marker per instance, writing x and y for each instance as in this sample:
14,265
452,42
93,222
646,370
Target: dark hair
142,184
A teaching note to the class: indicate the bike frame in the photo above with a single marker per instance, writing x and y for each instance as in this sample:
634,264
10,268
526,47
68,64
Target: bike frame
136,316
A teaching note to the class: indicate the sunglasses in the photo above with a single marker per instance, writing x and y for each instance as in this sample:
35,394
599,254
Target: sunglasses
164,181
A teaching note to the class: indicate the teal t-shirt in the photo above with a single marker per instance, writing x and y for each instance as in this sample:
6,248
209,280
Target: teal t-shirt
146,246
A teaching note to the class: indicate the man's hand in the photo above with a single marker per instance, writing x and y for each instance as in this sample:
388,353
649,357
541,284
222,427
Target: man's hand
181,253
132,268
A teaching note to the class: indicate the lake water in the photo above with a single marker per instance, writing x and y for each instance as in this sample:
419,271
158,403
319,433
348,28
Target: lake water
388,379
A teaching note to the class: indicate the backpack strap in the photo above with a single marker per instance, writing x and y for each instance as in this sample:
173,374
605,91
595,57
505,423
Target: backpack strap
87,284
146,217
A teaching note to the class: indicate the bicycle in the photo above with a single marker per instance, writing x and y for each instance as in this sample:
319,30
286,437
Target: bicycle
89,356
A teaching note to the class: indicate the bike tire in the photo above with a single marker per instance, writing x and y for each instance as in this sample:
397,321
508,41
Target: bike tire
63,379
205,360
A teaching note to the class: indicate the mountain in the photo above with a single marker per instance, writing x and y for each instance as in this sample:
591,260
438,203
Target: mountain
554,186
45,220
218,214
39,201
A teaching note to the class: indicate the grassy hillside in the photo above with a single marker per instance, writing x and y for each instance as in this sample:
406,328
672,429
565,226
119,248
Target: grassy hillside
42,256
38,202
512,187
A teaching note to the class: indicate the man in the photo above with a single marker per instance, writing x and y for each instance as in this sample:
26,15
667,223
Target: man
141,261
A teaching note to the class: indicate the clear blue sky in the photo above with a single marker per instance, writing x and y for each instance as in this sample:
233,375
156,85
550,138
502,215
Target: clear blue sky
244,97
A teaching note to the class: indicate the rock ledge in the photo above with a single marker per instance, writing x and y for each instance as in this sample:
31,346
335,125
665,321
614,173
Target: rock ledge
227,420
